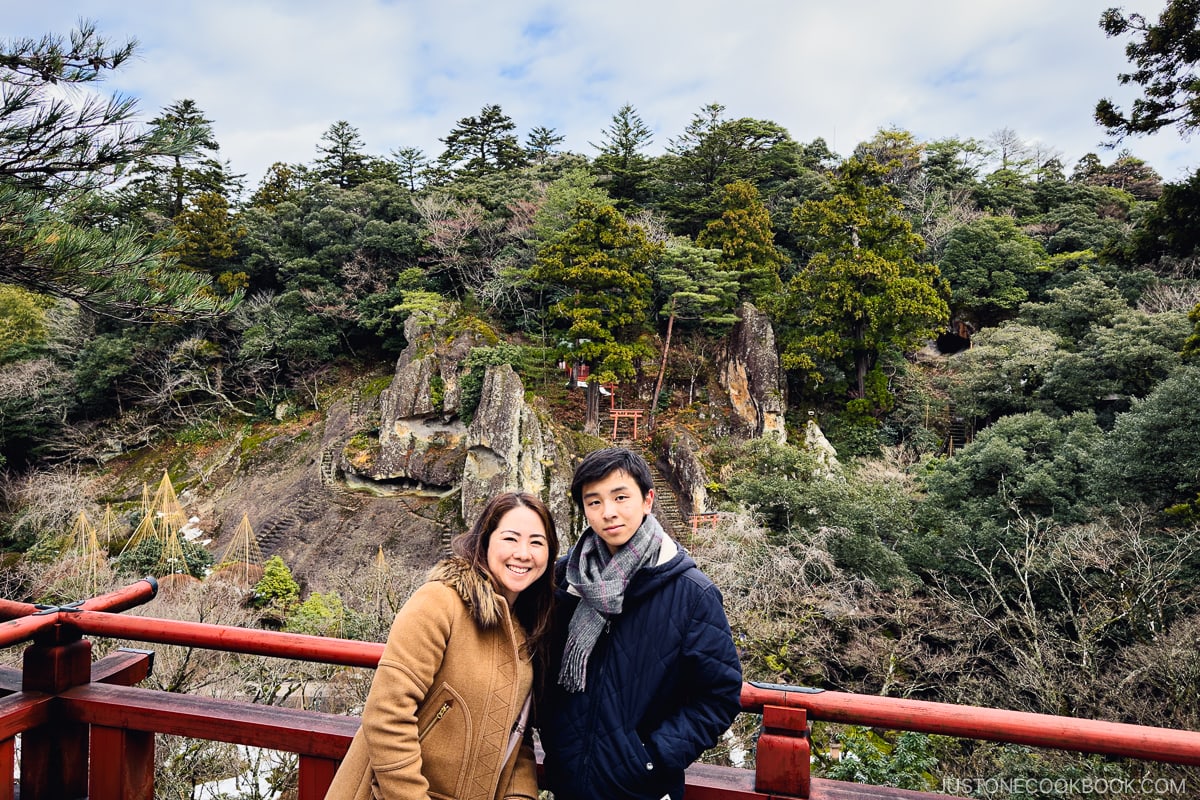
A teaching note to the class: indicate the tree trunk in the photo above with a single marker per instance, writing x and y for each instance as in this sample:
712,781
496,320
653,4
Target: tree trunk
662,369
591,424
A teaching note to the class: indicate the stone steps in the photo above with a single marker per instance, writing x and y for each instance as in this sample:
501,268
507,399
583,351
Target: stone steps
446,535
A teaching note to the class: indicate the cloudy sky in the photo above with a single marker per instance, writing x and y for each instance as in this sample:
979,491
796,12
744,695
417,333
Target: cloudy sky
273,75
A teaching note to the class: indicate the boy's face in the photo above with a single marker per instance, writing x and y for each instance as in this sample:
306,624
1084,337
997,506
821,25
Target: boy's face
615,507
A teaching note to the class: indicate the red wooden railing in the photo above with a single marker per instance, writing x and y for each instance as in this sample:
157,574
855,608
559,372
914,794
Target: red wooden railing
87,732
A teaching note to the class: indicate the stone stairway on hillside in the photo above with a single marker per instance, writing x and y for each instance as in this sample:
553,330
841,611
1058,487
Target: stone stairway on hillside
666,505
446,535
328,466
277,528
272,532
959,432
666,502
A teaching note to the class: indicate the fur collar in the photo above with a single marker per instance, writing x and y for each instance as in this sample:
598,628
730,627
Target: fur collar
476,589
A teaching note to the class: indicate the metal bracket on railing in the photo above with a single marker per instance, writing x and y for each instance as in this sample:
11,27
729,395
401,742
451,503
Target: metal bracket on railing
48,609
783,687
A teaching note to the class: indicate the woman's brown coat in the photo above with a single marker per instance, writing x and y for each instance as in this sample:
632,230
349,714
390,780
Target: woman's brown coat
445,700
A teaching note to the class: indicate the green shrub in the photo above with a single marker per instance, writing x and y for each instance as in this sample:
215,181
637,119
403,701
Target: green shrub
144,559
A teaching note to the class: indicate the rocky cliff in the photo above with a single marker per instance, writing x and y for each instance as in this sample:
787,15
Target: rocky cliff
753,376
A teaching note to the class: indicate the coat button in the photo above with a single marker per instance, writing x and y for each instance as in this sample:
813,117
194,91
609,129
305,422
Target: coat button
649,765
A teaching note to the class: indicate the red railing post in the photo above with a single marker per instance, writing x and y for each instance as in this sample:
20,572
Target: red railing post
316,775
122,760
54,756
782,755
122,764
7,763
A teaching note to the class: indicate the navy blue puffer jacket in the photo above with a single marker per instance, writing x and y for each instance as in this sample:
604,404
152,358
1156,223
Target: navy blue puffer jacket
663,683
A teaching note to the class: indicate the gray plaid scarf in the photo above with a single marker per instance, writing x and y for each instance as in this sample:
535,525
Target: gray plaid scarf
601,579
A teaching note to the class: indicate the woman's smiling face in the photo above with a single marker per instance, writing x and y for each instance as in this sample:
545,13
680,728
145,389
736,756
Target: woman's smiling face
518,551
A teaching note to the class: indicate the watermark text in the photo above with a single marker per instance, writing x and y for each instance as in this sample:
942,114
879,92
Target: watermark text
1066,787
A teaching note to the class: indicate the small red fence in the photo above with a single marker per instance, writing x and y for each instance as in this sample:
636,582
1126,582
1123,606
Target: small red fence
86,731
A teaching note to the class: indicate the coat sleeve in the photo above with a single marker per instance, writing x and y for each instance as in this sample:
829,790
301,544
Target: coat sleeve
710,674
421,630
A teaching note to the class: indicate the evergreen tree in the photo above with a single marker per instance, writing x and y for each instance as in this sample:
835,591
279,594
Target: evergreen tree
713,152
1164,61
862,292
598,270
342,161
743,235
277,588
1191,345
992,268
897,152
411,164
1008,192
541,142
696,285
953,164
623,168
1171,228
163,185
482,144
1153,452
56,149
207,237
1087,166
1129,174
281,183
697,288
555,214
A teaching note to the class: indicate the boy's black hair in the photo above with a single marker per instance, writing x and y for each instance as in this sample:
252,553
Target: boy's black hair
599,464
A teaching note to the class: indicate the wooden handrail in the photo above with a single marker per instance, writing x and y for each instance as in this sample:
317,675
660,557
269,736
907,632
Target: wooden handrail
975,722
298,646
308,733
20,712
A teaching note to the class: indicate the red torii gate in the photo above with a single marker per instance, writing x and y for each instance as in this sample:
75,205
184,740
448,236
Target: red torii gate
619,414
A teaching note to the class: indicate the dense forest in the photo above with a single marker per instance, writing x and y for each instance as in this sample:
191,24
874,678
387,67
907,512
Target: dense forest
1000,346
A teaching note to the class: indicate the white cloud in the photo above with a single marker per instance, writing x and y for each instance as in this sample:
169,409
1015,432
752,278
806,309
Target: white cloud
274,75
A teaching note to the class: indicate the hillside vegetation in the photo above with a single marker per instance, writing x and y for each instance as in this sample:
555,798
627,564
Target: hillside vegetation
999,343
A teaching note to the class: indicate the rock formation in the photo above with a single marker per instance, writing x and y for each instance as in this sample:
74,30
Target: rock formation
687,473
510,447
752,375
425,447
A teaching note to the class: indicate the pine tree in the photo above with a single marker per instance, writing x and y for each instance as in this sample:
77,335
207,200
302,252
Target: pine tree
411,164
482,144
57,149
342,161
624,169
164,184
697,288
1164,63
541,142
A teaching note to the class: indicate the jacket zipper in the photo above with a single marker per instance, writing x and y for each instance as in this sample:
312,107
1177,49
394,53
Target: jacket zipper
441,712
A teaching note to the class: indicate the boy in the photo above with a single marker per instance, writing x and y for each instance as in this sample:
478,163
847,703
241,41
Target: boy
643,675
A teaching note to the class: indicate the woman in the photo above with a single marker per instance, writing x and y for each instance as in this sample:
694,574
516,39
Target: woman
446,714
